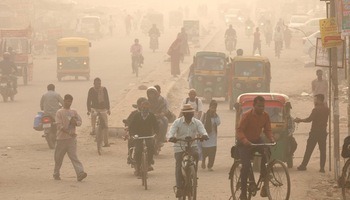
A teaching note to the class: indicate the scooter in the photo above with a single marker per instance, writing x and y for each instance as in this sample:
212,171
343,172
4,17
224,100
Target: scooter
230,44
50,129
6,88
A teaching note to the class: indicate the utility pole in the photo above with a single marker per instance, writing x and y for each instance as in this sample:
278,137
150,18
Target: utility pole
334,79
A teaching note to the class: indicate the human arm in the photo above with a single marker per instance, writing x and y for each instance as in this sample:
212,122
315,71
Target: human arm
308,119
77,119
107,101
89,101
240,131
42,100
200,107
172,130
60,100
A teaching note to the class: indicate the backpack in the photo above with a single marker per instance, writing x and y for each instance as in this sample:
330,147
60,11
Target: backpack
188,99
345,152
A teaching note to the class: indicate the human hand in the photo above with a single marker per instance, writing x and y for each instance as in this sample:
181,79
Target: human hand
204,137
172,139
297,120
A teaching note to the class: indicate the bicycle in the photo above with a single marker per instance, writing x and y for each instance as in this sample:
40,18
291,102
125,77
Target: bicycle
189,170
144,159
276,178
100,126
136,64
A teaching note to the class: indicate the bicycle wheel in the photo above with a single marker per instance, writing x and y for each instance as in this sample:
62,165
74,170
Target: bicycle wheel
192,193
136,68
345,180
144,169
98,136
277,182
235,179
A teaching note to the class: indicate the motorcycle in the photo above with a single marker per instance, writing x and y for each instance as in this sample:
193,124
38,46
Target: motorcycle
154,42
6,88
230,44
49,127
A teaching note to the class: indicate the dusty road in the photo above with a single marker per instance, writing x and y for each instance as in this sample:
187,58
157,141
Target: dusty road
27,165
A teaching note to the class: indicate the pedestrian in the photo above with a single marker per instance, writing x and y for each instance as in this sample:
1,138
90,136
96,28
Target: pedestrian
186,126
318,133
211,121
67,120
195,102
278,39
185,49
320,85
257,42
175,54
253,123
239,52
98,102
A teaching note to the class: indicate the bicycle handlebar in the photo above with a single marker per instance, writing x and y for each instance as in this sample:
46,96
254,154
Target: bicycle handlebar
264,144
188,140
136,137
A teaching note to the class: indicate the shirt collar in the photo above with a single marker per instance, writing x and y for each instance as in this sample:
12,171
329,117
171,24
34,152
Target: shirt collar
183,120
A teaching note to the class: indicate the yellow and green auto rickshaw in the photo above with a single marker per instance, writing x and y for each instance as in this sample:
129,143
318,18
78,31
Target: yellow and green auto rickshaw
248,74
209,75
73,57
278,107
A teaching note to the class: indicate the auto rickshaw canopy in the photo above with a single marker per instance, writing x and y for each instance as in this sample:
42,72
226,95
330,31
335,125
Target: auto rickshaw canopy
207,60
73,46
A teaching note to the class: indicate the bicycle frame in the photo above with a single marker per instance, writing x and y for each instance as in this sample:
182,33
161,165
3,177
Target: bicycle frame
100,125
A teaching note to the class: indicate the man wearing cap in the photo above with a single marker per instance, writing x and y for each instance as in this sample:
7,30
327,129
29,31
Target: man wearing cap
185,126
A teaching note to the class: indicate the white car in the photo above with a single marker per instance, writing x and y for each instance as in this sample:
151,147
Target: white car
311,26
296,21
309,44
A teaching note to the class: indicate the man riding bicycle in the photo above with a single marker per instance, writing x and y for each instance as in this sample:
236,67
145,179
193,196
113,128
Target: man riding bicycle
136,54
144,124
230,34
252,123
186,126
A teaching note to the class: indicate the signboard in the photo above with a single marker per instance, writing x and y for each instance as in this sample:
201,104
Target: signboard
323,58
345,16
330,36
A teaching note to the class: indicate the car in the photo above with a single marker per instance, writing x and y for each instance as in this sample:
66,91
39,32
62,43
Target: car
309,44
311,26
296,21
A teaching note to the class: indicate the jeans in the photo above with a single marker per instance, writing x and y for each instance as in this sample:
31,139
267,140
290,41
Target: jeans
209,152
163,128
139,149
68,146
314,138
246,154
103,114
178,165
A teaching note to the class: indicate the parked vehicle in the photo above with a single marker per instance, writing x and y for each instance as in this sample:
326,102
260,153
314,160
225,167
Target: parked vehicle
209,77
311,26
309,44
248,74
90,27
278,107
73,57
296,21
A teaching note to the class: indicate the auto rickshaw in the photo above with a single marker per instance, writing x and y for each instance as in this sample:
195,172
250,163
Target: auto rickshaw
278,107
73,57
248,74
209,75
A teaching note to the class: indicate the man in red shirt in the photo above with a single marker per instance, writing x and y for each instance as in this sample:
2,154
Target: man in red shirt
252,124
257,41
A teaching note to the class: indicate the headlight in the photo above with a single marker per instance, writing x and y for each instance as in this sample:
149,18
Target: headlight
84,63
200,78
238,85
60,63
258,85
218,79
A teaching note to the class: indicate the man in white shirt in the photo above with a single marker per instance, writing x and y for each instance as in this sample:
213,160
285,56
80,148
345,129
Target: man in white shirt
320,86
195,102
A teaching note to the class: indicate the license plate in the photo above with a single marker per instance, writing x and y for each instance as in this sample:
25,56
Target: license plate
46,125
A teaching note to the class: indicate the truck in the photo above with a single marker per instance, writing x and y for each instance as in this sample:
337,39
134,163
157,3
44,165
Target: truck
18,43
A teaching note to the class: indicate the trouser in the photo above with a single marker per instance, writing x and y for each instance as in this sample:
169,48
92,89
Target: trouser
278,46
209,152
104,116
68,146
139,149
321,139
178,165
246,154
163,128
257,46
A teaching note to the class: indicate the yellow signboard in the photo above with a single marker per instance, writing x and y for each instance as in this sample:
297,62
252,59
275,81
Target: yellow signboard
330,36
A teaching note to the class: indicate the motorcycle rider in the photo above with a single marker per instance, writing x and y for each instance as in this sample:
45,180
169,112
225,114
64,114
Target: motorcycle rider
159,107
136,53
249,25
9,69
50,103
154,34
231,34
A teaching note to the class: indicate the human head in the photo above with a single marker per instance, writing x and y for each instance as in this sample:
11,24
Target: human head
68,99
319,74
259,105
213,105
318,99
178,36
158,88
51,87
139,102
145,105
97,83
239,52
187,111
152,94
6,56
136,41
192,94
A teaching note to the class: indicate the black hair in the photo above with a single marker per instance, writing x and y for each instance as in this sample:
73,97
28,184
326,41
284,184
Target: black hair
320,97
213,103
157,87
97,79
239,52
51,87
319,70
68,97
258,99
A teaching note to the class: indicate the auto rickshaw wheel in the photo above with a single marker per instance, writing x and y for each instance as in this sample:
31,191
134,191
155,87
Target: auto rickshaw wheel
25,76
